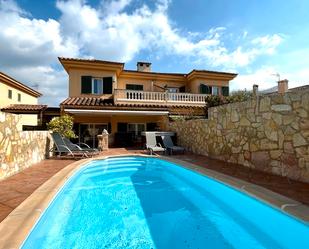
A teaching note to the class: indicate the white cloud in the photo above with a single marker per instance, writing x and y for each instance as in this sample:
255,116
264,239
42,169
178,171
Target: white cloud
30,45
263,77
267,77
45,79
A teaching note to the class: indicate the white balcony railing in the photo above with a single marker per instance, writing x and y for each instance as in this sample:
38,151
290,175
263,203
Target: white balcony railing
142,97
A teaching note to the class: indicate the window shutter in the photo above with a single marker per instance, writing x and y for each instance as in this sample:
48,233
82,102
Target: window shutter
134,87
202,88
86,84
122,127
107,85
139,87
205,89
209,89
225,91
109,128
151,126
182,89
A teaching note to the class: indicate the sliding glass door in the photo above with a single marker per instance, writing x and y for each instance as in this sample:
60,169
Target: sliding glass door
88,133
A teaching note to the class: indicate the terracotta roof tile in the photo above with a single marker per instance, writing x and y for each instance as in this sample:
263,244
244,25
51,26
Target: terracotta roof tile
95,102
87,101
24,107
89,60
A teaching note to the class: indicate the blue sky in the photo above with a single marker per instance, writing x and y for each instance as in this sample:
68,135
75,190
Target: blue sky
255,38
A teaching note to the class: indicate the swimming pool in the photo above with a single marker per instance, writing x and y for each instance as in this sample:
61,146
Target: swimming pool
140,202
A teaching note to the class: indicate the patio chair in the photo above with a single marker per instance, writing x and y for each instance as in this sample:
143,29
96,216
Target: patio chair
61,148
169,145
151,143
78,147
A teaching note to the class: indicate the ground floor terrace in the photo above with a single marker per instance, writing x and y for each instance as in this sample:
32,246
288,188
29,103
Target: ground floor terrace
125,122
125,130
15,189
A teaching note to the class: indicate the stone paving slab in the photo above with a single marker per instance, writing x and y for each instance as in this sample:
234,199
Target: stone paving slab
15,189
295,190
15,227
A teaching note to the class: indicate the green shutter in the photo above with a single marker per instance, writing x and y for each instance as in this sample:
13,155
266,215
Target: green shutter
151,126
134,87
122,127
182,89
209,90
86,84
109,128
205,89
107,85
225,91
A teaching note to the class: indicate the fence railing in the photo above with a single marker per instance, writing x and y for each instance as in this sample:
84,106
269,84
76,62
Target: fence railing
122,96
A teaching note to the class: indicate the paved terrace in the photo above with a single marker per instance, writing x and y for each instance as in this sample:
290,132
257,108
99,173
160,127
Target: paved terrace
15,189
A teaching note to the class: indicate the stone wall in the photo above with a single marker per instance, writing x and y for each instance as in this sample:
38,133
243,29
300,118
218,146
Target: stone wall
269,133
20,149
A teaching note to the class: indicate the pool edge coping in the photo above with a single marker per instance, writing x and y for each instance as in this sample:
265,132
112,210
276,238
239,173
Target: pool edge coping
15,228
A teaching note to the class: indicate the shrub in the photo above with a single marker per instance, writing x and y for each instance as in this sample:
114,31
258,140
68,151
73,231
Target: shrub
237,96
215,100
63,125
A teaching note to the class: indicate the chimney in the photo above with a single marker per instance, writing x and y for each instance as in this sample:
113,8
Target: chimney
255,89
283,86
143,66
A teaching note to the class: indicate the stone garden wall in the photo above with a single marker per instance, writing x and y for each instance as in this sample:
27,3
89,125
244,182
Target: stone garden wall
20,149
269,133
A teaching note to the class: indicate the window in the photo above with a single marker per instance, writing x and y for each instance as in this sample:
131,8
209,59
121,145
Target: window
136,129
134,87
87,133
172,89
96,85
10,94
215,90
19,97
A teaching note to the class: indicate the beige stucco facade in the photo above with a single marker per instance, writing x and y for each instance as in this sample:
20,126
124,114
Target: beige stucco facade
20,94
153,82
75,79
154,96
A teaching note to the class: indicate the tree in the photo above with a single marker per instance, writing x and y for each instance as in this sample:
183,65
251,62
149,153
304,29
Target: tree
63,125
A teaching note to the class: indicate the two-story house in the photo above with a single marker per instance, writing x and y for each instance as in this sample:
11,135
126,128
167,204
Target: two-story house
104,95
16,97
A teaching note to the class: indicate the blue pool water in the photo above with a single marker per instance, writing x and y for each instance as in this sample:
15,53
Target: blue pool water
137,202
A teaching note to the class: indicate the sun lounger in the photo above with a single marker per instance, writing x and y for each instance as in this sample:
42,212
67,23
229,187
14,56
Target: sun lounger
151,143
169,145
61,148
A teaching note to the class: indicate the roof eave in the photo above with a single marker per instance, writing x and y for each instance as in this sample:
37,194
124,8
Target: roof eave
69,63
210,74
16,84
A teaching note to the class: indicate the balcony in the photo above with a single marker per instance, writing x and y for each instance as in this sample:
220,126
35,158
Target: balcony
122,96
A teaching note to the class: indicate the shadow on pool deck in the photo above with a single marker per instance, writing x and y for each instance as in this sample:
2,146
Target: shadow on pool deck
296,190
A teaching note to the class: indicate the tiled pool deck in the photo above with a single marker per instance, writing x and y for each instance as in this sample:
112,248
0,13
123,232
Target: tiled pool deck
15,189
